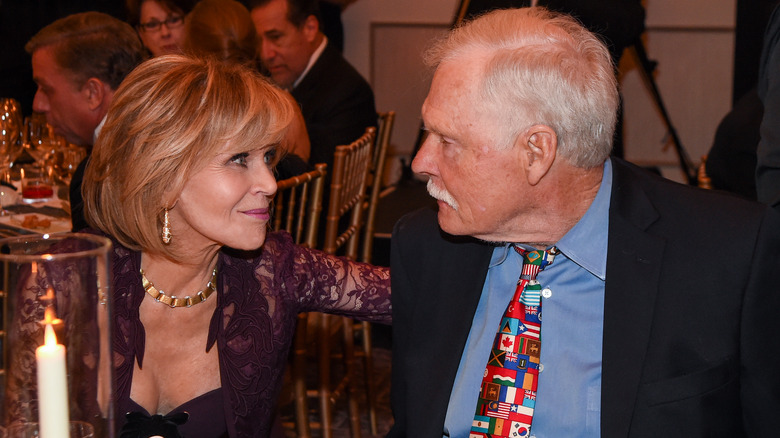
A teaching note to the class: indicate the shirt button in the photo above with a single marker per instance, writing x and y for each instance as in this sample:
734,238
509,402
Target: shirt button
546,292
541,368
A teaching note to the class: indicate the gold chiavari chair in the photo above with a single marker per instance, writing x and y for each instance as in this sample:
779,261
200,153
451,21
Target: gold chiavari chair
702,179
297,209
375,178
347,194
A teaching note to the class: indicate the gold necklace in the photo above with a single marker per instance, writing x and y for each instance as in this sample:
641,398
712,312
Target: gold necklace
187,301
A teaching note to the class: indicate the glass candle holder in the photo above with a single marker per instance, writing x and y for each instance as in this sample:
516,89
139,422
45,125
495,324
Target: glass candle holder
56,339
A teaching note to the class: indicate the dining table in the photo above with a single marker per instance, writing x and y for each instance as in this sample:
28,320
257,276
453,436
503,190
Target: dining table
46,216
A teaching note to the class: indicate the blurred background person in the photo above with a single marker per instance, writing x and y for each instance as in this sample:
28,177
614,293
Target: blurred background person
189,147
78,63
160,23
731,161
336,102
223,29
19,21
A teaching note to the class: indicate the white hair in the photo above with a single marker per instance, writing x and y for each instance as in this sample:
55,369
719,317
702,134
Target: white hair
543,68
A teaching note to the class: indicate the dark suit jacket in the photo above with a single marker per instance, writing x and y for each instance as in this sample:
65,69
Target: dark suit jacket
768,152
337,105
691,329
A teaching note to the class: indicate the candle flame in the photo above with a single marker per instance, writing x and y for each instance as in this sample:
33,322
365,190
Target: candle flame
49,316
50,338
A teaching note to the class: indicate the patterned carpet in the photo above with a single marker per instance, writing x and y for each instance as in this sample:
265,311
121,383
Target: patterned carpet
408,195
381,375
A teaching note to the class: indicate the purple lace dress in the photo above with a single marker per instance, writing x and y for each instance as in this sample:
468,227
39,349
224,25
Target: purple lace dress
258,300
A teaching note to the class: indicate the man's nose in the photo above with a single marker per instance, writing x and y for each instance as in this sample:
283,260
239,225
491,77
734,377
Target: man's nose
267,51
40,103
423,160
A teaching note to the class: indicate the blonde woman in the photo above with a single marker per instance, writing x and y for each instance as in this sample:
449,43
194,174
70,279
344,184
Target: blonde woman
182,170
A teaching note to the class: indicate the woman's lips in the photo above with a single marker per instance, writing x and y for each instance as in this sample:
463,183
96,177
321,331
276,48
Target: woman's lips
258,213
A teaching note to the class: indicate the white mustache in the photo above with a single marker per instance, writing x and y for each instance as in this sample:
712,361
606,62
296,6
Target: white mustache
441,195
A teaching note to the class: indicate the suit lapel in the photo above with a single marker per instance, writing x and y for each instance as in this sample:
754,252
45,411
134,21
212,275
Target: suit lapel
306,89
633,272
449,315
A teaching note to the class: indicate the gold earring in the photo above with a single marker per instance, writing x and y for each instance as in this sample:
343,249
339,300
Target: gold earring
166,229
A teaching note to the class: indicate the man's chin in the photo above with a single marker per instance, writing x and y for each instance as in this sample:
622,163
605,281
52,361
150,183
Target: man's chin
447,223
281,78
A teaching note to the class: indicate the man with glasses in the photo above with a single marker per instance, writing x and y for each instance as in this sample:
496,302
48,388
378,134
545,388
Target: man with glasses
78,63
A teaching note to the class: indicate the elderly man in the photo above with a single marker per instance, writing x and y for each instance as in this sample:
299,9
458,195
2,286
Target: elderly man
657,298
78,62
336,102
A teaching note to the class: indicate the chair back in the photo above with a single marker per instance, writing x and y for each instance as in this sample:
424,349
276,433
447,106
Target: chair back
702,179
298,204
347,193
376,176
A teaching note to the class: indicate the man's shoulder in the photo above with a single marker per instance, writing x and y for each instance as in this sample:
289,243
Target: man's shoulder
333,72
635,190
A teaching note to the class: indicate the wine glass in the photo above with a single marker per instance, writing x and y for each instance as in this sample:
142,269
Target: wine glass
11,129
11,132
38,144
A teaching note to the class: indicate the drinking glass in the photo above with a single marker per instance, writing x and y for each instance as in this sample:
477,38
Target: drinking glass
57,333
37,184
11,130
40,142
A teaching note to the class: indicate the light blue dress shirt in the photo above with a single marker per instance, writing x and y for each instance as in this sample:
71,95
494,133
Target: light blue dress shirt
568,399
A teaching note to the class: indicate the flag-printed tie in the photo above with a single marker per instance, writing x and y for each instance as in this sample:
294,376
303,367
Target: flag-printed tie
508,394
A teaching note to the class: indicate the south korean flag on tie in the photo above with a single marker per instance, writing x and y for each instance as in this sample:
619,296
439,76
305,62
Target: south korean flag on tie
519,430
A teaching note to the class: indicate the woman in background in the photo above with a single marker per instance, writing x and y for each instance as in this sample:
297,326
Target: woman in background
159,23
182,169
224,29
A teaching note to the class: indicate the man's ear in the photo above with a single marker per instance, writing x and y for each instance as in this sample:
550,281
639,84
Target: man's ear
310,28
94,91
540,145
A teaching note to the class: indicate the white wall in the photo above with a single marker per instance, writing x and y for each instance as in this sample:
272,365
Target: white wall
692,40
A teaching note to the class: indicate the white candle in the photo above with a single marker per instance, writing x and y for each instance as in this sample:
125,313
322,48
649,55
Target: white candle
53,417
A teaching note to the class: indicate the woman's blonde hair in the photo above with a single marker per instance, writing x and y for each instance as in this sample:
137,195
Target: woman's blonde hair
168,119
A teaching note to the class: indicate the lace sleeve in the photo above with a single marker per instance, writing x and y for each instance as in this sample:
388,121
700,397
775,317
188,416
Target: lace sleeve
325,283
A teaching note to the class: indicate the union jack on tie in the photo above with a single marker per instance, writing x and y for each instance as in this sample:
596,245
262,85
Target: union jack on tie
508,394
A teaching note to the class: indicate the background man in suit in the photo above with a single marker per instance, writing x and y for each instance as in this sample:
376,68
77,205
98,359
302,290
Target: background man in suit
78,63
655,312
336,102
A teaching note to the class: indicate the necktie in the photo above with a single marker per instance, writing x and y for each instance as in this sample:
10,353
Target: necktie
508,394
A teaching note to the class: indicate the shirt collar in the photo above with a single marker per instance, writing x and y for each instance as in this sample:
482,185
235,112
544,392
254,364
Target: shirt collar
98,128
586,243
314,57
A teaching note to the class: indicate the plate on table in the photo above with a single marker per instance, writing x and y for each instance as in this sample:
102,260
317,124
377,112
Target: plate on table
36,223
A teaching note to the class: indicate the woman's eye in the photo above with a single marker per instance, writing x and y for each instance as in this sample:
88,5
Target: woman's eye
239,159
270,156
